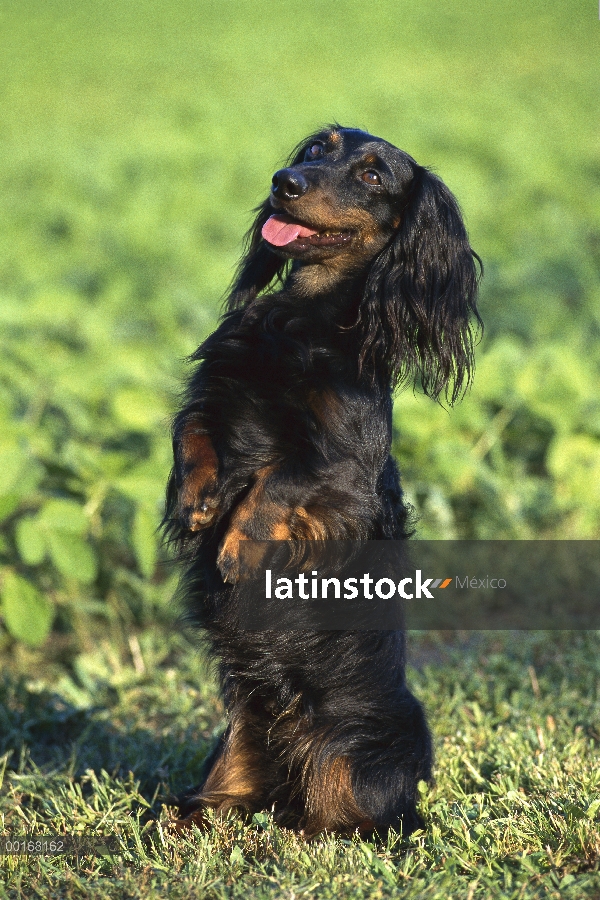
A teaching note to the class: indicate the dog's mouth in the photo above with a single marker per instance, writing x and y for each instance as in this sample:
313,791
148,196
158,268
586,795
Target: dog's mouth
281,231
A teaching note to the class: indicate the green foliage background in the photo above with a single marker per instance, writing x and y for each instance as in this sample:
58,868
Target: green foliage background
135,139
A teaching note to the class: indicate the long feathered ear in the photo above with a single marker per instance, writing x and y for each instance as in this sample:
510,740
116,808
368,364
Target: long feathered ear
421,295
258,265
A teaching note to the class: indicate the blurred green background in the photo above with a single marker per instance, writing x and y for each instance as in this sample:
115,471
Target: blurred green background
136,138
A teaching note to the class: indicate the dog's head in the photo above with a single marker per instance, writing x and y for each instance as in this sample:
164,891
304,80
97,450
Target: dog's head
351,205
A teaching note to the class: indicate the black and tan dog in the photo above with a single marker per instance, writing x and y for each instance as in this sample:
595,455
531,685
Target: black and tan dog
285,435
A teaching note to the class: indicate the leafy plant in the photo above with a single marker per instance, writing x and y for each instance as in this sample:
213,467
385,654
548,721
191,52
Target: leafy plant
125,189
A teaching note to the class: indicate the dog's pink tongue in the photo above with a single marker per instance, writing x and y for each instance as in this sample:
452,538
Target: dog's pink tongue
279,231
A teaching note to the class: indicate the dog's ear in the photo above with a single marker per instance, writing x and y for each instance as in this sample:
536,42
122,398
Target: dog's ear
421,295
258,265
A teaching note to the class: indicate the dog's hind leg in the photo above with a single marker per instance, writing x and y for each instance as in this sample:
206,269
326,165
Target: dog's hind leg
386,782
330,800
366,780
241,777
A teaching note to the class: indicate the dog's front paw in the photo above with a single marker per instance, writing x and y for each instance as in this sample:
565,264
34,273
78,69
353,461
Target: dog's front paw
196,470
197,505
228,560
242,555
197,500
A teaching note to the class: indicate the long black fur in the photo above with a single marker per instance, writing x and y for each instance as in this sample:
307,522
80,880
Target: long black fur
285,430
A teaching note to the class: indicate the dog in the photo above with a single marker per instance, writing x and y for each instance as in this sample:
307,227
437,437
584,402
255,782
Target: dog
357,276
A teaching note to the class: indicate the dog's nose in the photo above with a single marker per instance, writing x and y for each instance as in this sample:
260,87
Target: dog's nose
288,185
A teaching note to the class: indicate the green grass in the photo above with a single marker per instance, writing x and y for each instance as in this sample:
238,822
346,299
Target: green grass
514,813
135,140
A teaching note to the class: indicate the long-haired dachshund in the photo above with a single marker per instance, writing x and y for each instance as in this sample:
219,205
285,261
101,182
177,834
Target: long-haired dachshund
357,275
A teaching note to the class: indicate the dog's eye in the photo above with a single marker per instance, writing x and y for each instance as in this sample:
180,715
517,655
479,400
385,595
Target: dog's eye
371,177
315,151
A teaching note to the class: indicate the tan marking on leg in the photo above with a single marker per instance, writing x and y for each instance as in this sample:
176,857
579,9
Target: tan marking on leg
281,532
238,779
257,519
197,504
230,545
330,801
